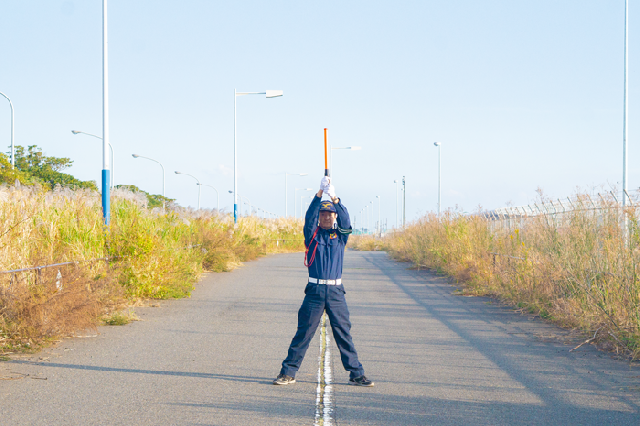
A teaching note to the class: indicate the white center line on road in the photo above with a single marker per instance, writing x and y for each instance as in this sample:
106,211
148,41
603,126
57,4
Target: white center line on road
323,395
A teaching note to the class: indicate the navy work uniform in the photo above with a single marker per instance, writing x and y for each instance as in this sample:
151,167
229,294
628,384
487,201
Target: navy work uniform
324,291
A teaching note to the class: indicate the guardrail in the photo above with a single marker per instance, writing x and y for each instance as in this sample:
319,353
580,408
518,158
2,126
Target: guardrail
39,269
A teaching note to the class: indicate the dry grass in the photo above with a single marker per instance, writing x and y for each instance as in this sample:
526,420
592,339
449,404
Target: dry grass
366,243
152,255
579,269
36,307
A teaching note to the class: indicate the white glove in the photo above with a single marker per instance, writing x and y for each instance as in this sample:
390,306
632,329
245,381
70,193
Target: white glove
324,183
330,191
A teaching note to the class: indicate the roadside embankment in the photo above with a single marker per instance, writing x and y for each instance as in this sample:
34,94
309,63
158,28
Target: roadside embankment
579,269
145,253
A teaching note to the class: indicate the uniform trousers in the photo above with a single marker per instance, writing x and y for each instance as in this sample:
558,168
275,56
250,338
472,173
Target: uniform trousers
318,298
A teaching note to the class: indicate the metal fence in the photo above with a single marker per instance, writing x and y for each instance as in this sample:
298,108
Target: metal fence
557,211
36,272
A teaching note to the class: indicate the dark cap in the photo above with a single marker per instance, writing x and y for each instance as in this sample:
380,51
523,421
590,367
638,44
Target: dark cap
327,206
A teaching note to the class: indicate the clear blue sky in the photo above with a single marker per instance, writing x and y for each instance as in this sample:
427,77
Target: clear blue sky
522,94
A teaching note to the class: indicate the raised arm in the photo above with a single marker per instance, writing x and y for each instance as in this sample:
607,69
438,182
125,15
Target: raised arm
343,220
311,218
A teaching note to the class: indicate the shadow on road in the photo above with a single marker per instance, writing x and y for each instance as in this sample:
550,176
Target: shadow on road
261,380
561,387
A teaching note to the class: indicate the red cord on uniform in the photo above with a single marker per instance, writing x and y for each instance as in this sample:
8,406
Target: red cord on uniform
313,255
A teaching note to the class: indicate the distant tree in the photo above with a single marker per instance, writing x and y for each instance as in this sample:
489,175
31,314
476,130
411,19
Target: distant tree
47,170
9,174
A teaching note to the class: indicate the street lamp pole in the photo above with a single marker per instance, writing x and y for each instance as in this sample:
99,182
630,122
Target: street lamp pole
379,219
13,154
231,192
285,192
180,173
113,160
295,199
217,198
625,122
106,178
396,182
404,202
365,220
248,202
302,197
438,144
269,94
156,161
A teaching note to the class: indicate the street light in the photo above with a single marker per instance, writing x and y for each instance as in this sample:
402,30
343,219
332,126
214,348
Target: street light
285,190
379,220
371,202
13,154
302,197
625,122
368,218
248,202
231,192
106,167
353,148
438,144
295,199
404,202
155,161
241,197
180,173
269,94
217,198
396,182
75,132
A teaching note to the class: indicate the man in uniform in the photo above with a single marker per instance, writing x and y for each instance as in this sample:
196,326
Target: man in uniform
324,291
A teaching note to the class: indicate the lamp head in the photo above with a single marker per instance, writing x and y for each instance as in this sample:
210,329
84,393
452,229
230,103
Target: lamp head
303,174
274,93
75,132
135,155
178,173
355,148
395,181
436,143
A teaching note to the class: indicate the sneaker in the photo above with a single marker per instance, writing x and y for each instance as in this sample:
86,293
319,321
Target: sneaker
283,379
361,381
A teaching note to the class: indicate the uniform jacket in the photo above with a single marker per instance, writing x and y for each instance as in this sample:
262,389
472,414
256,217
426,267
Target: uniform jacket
328,244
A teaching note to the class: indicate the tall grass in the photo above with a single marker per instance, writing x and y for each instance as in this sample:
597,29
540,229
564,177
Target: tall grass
151,255
366,243
579,269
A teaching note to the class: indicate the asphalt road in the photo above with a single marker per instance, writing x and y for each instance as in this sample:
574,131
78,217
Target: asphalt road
436,359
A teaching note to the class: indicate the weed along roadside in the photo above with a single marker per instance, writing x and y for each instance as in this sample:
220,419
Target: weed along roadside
149,255
578,269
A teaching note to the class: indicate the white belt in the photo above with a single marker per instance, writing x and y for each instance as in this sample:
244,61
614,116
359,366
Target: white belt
327,282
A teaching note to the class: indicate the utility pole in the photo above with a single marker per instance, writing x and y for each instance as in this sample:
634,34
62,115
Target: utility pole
625,124
106,167
404,202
